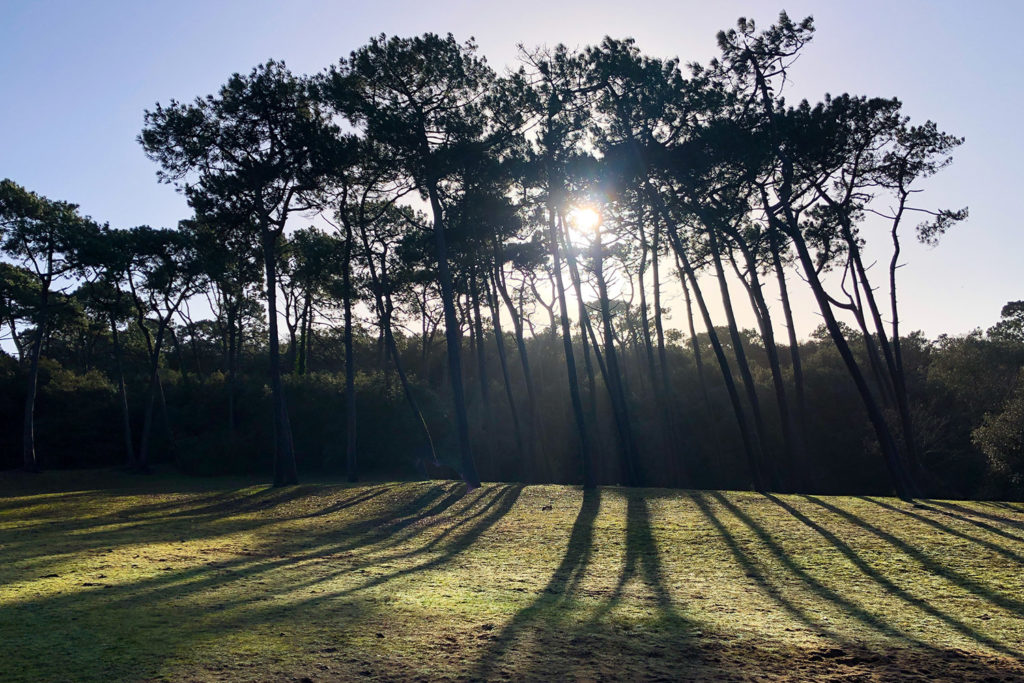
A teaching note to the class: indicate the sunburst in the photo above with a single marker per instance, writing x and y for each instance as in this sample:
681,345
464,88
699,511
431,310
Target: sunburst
583,222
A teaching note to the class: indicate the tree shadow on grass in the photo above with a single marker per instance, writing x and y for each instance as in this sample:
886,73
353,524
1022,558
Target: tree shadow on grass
557,592
970,516
240,594
890,586
944,528
107,532
1013,507
564,647
325,548
805,615
928,563
24,502
460,536
368,494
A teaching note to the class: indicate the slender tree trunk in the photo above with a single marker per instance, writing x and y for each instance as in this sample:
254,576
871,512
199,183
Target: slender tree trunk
285,471
154,378
904,486
231,365
614,377
424,339
467,320
882,380
29,461
452,334
741,361
292,356
794,352
552,328
481,351
671,433
499,338
764,320
893,363
179,356
126,420
646,322
194,345
351,464
524,356
745,433
595,344
304,323
899,375
589,480
699,362
584,322
382,298
666,375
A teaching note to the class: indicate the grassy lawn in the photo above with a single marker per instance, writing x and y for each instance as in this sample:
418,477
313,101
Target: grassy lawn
105,576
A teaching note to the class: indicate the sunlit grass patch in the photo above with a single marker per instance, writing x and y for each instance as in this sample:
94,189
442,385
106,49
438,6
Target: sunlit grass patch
126,578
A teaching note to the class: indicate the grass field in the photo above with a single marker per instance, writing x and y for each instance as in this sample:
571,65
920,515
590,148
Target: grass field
104,576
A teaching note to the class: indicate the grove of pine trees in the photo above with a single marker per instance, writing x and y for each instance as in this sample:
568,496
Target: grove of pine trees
409,262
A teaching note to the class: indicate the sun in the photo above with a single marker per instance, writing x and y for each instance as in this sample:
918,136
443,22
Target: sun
583,221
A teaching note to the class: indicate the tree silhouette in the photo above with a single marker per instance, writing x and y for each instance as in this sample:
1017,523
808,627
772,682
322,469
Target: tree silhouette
41,235
247,156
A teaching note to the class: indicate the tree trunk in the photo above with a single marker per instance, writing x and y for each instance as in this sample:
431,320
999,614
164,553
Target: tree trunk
452,334
151,393
552,328
584,322
499,338
890,351
126,421
741,360
481,351
350,368
382,298
904,486
723,363
232,343
587,466
794,355
29,461
524,357
614,377
899,376
659,329
304,326
699,362
646,322
179,356
764,320
285,471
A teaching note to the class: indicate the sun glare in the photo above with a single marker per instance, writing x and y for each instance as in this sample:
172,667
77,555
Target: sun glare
583,221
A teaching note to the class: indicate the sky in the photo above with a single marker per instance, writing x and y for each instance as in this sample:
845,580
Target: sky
76,78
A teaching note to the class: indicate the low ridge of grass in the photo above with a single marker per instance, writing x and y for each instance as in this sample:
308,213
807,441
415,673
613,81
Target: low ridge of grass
106,576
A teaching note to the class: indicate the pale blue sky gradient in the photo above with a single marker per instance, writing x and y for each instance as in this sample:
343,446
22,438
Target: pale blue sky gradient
75,78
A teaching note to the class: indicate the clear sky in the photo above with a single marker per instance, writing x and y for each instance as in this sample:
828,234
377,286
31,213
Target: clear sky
75,78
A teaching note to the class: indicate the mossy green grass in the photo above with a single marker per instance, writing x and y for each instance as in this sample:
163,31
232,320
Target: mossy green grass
107,576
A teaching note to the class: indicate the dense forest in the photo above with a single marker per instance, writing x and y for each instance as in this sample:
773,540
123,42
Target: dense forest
410,264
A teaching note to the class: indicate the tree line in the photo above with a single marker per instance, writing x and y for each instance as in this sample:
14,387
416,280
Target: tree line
487,267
